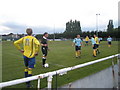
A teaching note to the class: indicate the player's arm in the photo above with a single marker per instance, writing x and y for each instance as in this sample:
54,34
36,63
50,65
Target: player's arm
95,39
73,44
17,44
37,45
107,39
81,43
43,43
92,43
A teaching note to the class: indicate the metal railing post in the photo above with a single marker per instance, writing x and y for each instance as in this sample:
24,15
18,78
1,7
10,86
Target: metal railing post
49,79
38,86
113,73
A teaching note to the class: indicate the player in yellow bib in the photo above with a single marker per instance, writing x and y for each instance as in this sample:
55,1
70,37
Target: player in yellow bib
97,43
29,51
86,40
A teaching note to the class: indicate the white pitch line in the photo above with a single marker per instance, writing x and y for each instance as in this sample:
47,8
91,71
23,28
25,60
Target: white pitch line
53,64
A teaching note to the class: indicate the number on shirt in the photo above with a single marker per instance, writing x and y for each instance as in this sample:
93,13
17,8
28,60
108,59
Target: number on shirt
27,42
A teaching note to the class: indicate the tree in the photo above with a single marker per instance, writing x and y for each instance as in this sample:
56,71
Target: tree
72,28
110,26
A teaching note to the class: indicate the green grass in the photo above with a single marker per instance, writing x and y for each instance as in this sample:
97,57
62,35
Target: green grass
61,55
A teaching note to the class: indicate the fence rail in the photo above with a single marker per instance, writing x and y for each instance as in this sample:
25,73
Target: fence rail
51,74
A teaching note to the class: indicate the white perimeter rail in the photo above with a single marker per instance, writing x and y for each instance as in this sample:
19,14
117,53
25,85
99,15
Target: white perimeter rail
50,74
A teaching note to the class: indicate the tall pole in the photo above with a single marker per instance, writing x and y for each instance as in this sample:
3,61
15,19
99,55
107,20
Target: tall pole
97,24
54,34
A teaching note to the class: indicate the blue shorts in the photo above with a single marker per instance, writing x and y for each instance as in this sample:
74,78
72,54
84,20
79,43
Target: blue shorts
29,62
86,41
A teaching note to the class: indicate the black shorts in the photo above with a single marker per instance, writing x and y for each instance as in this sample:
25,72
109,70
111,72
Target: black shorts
109,43
77,48
95,46
44,50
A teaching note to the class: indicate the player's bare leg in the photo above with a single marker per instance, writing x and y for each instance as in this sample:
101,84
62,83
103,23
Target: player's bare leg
79,52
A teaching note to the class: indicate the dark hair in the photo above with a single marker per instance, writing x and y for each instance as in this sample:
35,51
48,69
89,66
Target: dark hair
77,34
29,31
45,33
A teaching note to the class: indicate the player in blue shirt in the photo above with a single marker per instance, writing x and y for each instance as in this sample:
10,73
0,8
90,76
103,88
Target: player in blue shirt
77,42
109,39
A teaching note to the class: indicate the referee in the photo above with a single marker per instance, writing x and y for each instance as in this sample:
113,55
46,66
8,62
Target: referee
44,48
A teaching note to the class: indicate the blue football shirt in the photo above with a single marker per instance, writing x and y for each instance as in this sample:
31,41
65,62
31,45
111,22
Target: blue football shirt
77,41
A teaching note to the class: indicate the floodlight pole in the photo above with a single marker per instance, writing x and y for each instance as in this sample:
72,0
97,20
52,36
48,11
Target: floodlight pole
119,72
97,24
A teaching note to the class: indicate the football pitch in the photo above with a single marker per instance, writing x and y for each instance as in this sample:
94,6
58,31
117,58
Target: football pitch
61,55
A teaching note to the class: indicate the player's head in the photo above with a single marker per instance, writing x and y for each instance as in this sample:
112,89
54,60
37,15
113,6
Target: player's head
29,31
109,36
78,36
95,35
45,34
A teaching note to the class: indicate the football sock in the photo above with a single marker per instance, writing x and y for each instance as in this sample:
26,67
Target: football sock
26,72
43,60
94,52
29,74
97,51
76,53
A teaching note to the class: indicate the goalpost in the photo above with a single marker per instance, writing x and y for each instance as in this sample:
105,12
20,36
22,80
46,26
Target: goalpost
50,75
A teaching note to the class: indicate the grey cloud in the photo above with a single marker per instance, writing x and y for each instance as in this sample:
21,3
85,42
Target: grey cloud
20,28
101,27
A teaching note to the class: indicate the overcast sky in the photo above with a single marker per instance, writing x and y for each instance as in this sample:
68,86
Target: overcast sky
45,15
